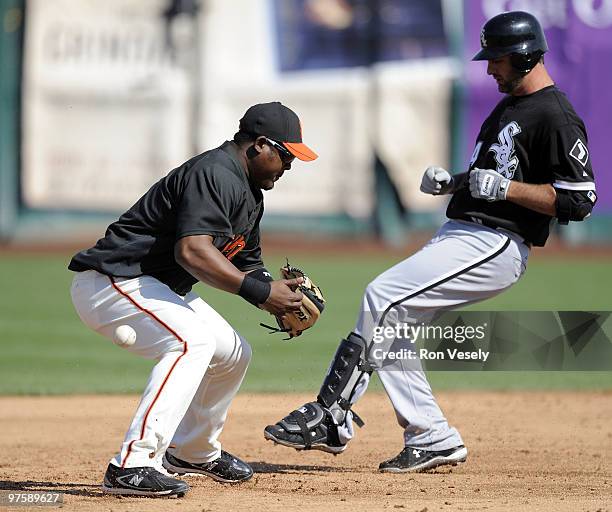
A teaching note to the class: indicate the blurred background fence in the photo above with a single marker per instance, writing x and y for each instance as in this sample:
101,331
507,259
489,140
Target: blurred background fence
101,99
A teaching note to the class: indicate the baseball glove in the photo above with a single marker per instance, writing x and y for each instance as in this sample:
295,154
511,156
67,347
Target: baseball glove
295,323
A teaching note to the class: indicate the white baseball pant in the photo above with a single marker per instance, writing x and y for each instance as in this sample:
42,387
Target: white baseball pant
463,263
201,361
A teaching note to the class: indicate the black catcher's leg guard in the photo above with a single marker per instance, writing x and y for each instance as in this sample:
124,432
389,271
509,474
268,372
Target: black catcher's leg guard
345,374
315,424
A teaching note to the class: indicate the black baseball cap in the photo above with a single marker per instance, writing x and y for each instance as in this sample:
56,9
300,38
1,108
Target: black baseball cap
279,123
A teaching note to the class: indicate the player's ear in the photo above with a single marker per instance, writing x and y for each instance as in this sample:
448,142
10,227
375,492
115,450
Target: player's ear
260,142
256,148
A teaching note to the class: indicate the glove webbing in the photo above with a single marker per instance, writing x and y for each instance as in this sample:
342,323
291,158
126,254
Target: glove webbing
274,330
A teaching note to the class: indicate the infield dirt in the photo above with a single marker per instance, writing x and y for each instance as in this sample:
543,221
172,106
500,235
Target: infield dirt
527,451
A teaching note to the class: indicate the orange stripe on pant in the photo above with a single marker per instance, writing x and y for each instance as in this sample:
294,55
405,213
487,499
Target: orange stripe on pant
166,326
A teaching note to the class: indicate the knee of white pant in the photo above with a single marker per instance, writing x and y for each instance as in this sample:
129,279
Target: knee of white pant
369,291
240,362
372,295
246,353
202,345
234,360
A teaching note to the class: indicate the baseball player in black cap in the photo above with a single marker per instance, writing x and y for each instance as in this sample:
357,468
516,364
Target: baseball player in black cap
530,166
199,223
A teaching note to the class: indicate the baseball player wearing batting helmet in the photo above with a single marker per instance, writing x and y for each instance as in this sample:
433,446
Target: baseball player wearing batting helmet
529,167
199,223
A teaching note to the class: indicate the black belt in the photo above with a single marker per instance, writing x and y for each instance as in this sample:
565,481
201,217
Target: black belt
492,225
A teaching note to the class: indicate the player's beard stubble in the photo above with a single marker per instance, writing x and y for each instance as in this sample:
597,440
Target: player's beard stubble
511,83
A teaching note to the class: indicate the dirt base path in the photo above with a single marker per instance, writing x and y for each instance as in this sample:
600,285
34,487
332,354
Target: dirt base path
527,451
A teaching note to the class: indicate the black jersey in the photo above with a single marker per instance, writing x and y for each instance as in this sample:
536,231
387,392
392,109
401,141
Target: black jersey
207,195
536,139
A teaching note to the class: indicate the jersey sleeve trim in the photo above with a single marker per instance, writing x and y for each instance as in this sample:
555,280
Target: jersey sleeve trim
252,266
196,232
568,185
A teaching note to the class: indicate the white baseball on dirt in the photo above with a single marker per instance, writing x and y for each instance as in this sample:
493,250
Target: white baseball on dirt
124,336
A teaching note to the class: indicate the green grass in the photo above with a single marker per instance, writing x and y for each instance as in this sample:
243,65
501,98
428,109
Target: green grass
46,349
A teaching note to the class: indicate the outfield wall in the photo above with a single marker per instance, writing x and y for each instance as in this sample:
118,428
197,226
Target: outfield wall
115,94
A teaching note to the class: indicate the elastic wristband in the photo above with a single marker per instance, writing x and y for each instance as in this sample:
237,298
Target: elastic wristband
261,274
254,291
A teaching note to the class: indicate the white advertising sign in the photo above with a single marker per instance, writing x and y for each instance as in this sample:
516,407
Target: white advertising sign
105,110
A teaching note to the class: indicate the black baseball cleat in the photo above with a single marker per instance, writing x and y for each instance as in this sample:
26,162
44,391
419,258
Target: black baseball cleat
311,427
143,481
226,468
415,460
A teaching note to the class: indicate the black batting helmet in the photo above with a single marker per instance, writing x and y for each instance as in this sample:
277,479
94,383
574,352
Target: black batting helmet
518,34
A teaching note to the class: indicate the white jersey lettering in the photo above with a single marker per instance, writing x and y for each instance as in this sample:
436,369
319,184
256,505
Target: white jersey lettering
507,162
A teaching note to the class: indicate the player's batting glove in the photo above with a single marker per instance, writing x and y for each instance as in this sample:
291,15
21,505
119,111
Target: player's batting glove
436,181
488,184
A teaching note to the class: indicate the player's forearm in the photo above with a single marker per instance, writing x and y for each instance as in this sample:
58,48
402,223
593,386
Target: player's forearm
202,260
539,198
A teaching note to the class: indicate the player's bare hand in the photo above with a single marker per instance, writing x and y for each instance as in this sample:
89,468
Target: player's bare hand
436,181
284,296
